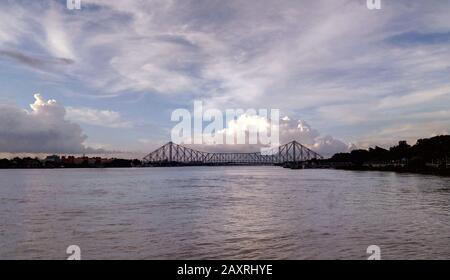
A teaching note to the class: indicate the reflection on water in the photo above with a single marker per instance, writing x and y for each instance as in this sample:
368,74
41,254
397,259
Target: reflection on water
222,213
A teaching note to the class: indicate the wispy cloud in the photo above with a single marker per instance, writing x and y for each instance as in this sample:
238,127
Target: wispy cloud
415,98
344,68
91,116
35,62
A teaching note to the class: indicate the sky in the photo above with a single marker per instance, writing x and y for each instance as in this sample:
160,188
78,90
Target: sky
106,78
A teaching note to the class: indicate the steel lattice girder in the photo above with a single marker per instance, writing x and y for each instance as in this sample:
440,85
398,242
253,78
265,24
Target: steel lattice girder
174,153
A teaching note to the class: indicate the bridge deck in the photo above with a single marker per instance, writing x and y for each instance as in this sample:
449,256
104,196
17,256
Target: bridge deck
172,154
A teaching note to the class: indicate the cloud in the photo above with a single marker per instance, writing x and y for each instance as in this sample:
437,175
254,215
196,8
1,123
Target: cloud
41,130
91,116
328,146
414,98
35,62
335,62
289,130
303,133
57,35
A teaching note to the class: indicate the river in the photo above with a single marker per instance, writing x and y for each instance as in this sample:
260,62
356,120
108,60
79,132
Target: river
222,213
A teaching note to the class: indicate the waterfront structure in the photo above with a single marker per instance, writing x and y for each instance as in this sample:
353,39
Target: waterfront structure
172,154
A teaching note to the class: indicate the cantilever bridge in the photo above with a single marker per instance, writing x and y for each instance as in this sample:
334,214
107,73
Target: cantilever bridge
171,154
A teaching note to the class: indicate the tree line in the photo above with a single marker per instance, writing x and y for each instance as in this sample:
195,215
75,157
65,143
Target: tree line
425,151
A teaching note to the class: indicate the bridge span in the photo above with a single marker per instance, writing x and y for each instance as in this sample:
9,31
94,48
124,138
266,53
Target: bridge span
292,154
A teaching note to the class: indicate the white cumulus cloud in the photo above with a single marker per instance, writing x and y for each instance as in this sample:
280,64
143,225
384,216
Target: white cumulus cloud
44,129
289,130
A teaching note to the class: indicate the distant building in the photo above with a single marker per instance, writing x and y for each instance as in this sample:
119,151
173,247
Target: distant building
80,160
31,163
106,161
70,160
95,161
52,161
53,158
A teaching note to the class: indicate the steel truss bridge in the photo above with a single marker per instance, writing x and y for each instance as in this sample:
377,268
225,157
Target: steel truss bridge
171,154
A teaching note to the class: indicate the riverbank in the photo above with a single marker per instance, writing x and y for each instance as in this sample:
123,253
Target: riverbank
424,171
52,162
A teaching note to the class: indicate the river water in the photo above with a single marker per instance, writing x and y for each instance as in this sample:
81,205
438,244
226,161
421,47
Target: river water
222,213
